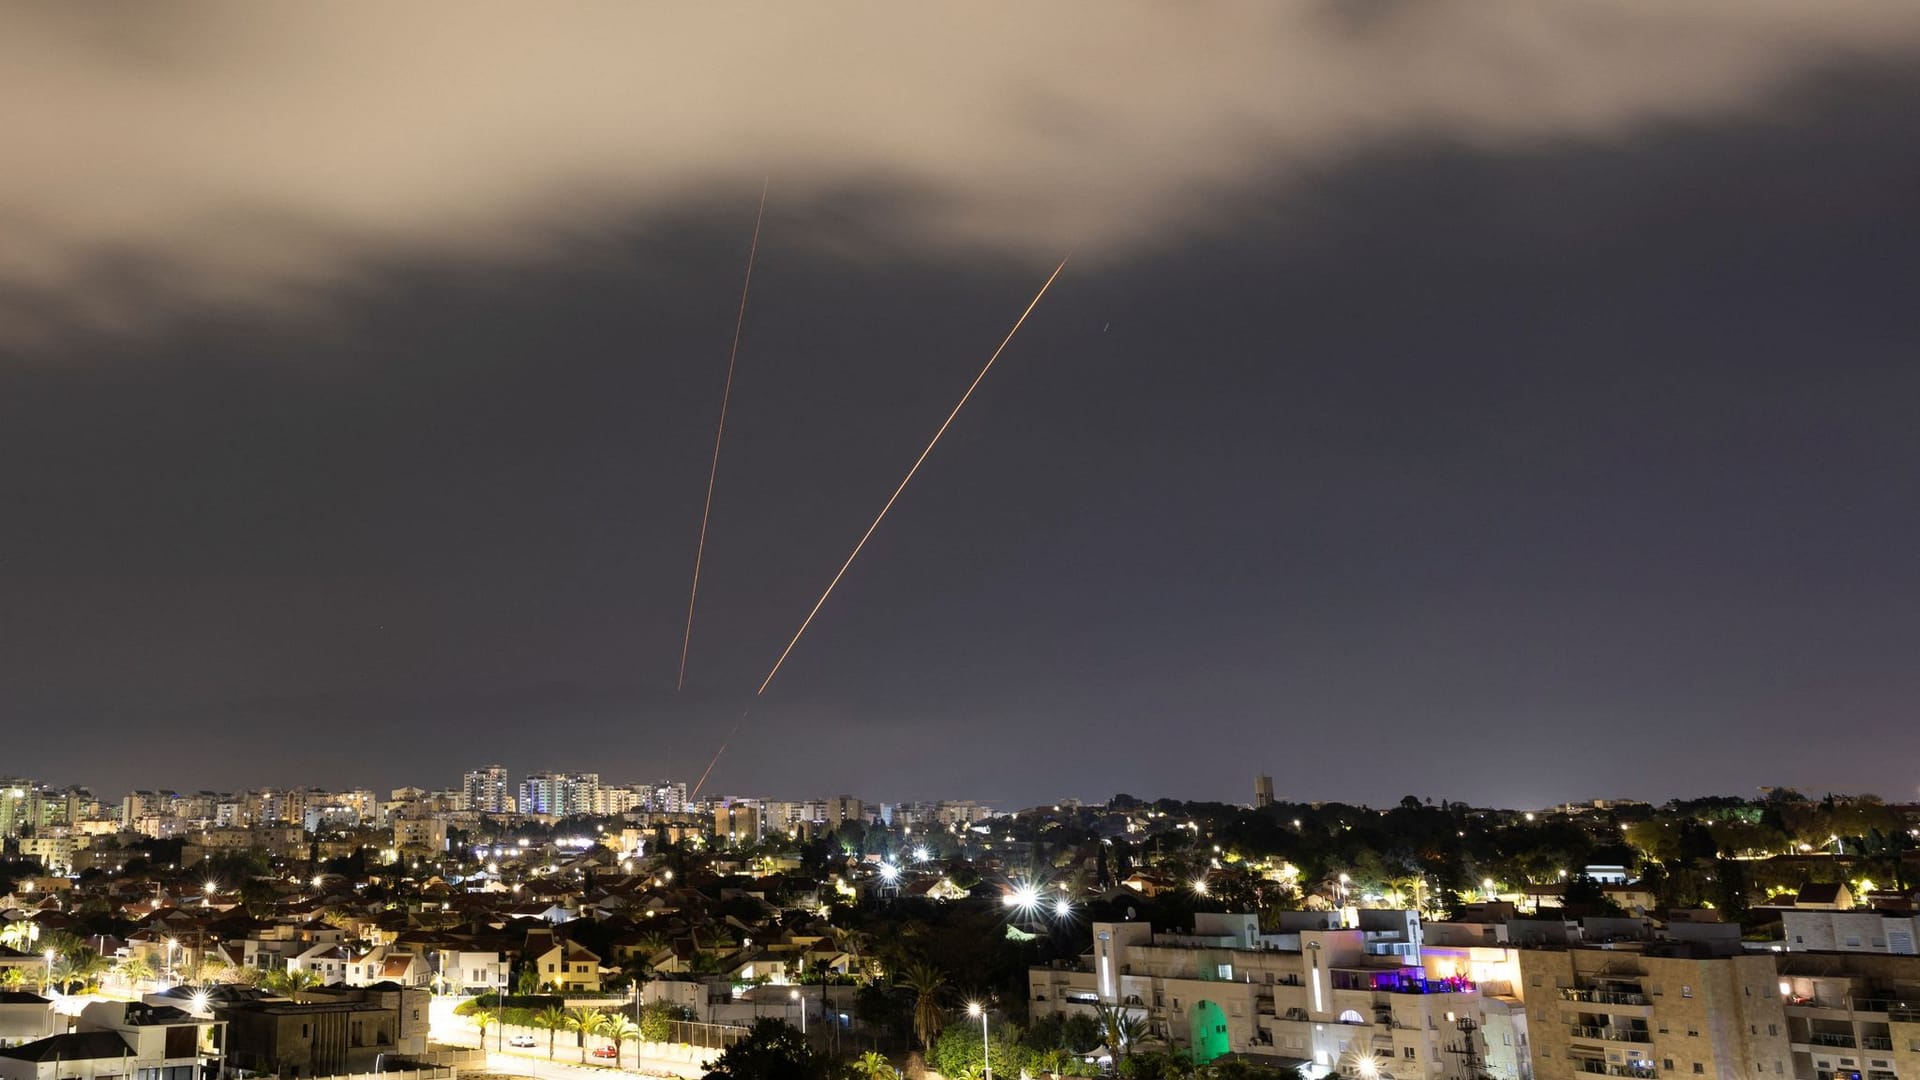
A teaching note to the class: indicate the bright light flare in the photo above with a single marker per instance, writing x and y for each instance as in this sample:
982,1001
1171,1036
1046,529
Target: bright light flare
1199,886
889,873
920,854
973,1008
1063,907
1023,898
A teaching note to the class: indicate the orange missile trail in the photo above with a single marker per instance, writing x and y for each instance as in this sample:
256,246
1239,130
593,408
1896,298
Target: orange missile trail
720,431
909,477
716,755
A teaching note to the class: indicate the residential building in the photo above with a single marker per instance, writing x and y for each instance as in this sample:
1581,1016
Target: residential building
1656,1010
487,790
112,1040
564,965
558,794
24,1017
738,822
329,1030
1851,1014
1349,1000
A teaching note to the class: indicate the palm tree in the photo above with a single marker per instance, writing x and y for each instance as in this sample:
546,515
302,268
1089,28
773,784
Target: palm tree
20,934
80,967
873,1065
619,1030
288,982
584,1022
1055,1061
133,970
927,984
552,1019
1122,1028
12,977
484,1019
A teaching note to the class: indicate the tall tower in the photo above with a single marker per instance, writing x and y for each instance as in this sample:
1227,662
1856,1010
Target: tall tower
1262,792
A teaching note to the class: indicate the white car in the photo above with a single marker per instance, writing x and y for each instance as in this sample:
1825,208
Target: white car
520,1040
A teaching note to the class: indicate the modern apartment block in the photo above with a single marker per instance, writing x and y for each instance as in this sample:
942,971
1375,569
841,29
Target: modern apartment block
1851,1016
487,790
1656,1010
558,794
1364,1001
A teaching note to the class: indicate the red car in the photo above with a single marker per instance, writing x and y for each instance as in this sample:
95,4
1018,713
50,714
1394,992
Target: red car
605,1052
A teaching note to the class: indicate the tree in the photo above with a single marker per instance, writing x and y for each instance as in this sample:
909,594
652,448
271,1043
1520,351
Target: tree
873,1065
583,1022
288,982
79,969
20,935
927,984
771,1050
133,970
552,1019
619,1031
1122,1028
12,978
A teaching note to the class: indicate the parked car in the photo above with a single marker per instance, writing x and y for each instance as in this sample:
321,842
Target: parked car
605,1052
520,1040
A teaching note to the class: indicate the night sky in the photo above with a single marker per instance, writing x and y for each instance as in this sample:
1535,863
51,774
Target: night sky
1471,403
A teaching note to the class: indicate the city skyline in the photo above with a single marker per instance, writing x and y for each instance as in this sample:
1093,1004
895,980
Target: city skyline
1508,405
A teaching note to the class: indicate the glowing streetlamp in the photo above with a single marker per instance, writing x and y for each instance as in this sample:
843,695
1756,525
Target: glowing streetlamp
46,977
986,1049
795,995
1063,908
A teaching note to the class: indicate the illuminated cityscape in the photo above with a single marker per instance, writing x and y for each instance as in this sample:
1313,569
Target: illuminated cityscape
1234,540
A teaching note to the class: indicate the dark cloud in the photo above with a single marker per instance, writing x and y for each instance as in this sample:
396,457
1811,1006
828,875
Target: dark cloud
237,155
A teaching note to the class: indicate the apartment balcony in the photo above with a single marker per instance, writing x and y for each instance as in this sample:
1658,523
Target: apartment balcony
1607,1068
1875,1042
1603,997
1615,1034
1829,1038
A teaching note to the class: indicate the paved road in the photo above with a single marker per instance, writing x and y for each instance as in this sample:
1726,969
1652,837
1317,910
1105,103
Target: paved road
565,1064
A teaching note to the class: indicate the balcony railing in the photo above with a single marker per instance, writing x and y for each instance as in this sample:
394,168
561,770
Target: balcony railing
1828,1038
1604,997
1875,1005
1875,1042
1613,1034
1606,1068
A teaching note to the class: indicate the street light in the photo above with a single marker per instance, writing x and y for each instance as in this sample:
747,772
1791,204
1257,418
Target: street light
794,994
46,977
986,1048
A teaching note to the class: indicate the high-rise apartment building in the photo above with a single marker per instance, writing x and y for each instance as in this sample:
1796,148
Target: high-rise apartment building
559,794
1262,792
487,790
669,797
843,808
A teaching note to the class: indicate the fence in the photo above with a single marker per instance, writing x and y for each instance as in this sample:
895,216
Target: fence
706,1036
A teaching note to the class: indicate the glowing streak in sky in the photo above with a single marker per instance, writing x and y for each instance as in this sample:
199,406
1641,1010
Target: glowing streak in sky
720,431
716,757
905,480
